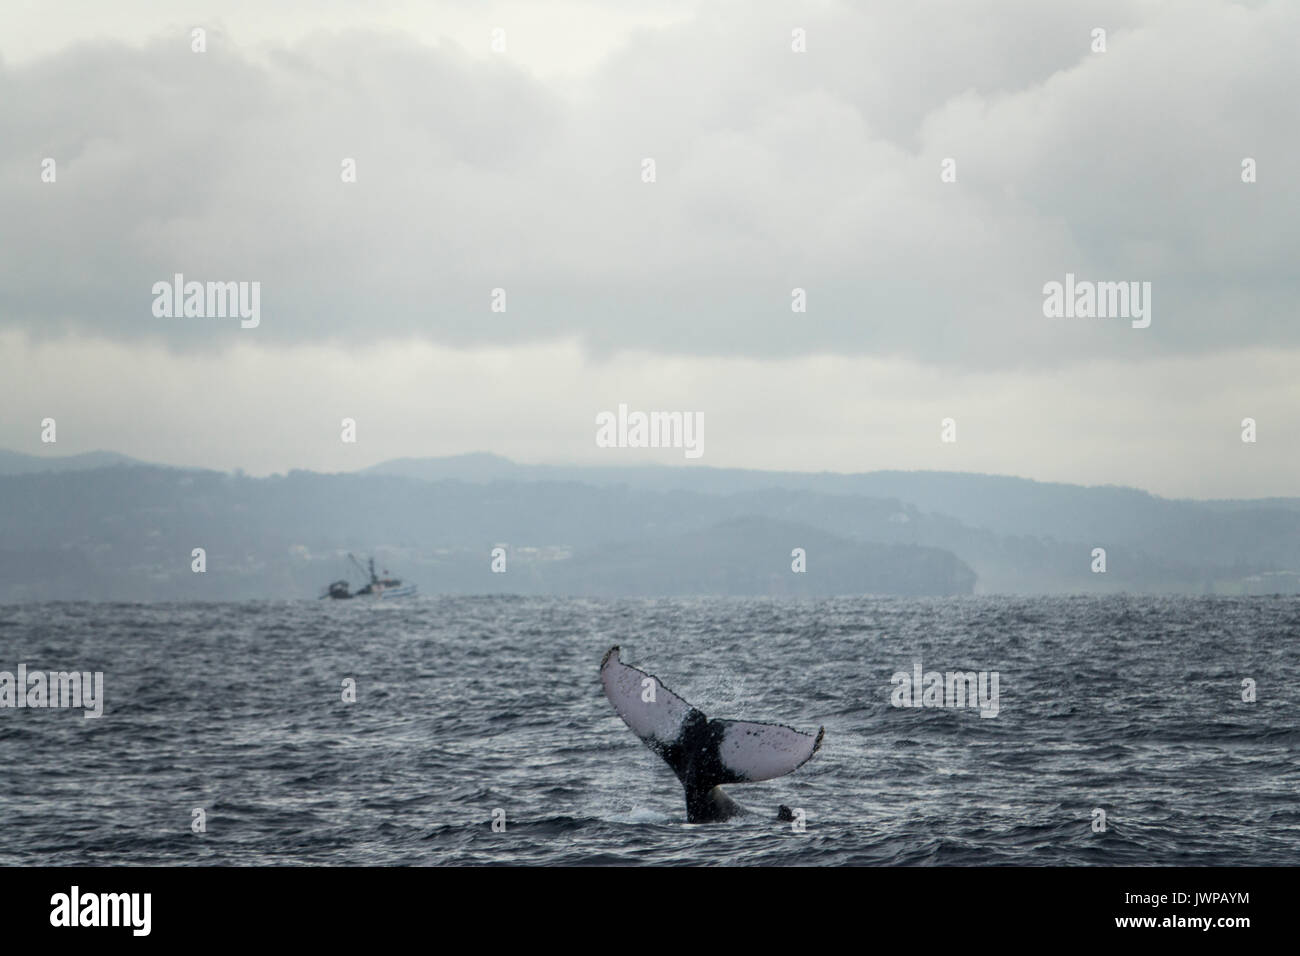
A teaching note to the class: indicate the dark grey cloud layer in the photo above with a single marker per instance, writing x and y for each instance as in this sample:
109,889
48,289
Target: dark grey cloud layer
774,170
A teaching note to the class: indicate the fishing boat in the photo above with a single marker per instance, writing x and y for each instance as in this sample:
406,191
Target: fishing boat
375,587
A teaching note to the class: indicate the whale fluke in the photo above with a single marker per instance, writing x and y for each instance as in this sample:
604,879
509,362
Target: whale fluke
703,753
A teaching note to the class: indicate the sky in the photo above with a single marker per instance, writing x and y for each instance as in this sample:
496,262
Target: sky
921,171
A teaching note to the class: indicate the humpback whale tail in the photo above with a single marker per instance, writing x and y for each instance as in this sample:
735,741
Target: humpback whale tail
703,753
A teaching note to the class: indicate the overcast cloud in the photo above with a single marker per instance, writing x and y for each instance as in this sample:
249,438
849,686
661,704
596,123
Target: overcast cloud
774,170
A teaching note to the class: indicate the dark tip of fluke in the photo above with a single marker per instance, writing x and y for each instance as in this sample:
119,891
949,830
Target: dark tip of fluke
604,660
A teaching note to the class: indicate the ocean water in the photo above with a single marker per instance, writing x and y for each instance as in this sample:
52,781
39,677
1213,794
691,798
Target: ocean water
466,706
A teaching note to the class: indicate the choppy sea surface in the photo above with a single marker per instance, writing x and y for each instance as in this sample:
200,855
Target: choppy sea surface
466,706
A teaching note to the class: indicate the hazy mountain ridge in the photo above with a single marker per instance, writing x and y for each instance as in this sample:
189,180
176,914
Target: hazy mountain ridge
126,532
1181,544
1002,502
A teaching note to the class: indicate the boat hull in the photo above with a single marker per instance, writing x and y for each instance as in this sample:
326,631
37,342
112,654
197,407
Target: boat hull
406,590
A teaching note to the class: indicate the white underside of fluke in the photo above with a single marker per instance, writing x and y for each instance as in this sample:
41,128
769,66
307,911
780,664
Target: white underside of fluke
654,713
748,750
763,751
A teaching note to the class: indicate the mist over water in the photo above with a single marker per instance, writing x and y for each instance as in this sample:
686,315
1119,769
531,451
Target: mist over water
465,705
